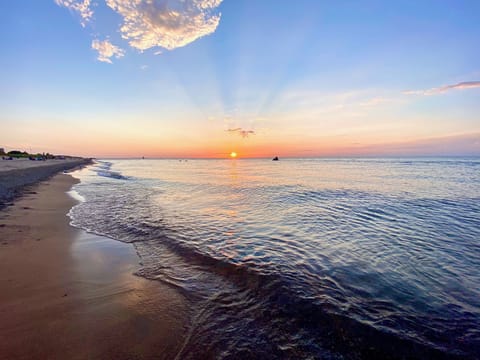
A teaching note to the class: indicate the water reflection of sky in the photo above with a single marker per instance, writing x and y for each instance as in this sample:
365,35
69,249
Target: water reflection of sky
396,237
419,177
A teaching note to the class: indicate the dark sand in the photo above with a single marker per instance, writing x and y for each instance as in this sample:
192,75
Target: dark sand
66,294
17,173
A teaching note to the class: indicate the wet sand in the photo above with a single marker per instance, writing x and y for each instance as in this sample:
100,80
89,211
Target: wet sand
67,294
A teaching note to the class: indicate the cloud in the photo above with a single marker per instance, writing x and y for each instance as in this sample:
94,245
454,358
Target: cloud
79,6
241,132
146,24
444,89
106,50
167,24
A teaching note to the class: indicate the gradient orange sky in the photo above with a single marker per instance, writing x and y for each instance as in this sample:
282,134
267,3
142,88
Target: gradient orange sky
304,80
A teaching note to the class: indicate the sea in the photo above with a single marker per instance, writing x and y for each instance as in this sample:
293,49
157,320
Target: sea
303,258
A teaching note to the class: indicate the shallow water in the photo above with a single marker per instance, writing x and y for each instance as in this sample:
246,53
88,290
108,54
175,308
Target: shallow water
304,258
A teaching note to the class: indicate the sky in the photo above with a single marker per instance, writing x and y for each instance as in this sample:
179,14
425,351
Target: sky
263,78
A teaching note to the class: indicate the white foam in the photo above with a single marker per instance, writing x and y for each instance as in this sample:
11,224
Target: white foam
75,195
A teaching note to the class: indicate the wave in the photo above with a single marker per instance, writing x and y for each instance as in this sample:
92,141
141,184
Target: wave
104,169
250,299
289,271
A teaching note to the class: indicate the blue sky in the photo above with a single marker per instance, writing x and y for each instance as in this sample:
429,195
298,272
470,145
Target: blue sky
306,78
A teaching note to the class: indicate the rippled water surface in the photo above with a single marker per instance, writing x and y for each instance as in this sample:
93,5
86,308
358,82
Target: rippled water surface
304,258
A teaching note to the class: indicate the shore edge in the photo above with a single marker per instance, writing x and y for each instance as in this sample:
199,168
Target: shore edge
70,294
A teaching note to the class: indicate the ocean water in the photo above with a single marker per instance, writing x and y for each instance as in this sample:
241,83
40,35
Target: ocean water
303,258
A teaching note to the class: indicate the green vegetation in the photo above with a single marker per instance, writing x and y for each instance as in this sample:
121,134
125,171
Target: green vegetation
23,154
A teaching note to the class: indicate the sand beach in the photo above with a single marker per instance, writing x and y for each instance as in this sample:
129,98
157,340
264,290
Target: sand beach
67,294
15,174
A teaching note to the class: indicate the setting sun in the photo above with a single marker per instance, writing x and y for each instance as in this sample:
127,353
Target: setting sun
346,223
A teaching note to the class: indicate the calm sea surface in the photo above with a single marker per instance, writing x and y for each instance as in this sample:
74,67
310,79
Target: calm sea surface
304,258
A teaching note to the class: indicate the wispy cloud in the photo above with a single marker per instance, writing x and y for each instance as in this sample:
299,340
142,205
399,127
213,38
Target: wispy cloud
82,7
243,133
106,50
444,89
167,24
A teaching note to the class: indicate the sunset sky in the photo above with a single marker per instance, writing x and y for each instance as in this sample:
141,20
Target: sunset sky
203,78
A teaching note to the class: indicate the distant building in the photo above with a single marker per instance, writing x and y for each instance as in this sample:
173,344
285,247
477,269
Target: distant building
2,151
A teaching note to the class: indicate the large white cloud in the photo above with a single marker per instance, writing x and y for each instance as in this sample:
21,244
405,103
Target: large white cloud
165,23
82,7
146,24
106,50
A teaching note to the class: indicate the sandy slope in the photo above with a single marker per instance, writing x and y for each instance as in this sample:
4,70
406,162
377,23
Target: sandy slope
66,294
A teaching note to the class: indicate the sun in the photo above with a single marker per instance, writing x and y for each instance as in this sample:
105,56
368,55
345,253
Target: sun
233,154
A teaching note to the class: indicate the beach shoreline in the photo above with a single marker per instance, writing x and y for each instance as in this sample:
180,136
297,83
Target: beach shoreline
17,174
70,294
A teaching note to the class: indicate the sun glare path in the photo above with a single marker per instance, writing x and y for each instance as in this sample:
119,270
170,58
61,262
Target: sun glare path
233,154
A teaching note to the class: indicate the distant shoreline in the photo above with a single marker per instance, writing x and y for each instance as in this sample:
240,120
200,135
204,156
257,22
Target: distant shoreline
370,157
18,173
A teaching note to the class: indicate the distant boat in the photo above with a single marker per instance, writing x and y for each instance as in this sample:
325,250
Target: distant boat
275,158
